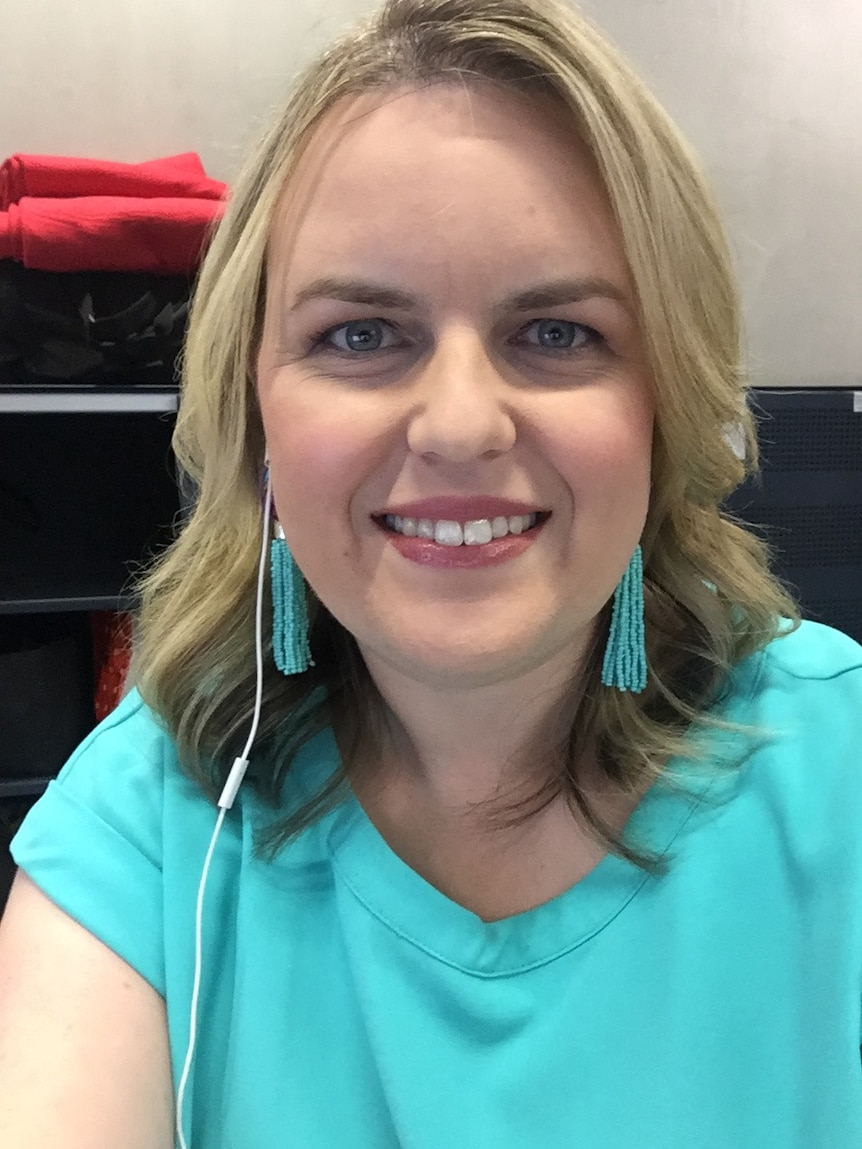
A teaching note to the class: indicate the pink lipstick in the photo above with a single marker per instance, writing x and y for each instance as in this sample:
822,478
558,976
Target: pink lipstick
407,527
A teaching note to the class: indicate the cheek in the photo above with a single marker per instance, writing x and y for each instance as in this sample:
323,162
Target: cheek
610,482
319,451
607,449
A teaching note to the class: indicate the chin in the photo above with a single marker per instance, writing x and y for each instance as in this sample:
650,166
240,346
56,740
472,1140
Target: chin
463,664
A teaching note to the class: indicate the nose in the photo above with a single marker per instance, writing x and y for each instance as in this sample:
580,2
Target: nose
461,415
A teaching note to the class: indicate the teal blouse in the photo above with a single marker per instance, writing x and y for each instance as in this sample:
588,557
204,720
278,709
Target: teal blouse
348,1004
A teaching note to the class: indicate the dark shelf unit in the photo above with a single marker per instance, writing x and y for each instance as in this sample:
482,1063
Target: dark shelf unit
88,492
32,591
807,504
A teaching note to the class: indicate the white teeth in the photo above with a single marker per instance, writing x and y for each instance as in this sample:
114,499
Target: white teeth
448,534
477,532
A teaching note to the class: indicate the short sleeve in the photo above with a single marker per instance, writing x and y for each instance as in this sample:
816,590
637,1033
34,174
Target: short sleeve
93,843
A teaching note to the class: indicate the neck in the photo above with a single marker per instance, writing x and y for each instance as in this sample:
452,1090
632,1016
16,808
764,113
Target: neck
460,746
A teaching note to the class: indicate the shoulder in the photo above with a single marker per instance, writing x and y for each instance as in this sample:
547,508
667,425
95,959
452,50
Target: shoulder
95,841
798,667
806,704
814,653
117,798
806,684
131,733
809,685
132,725
128,762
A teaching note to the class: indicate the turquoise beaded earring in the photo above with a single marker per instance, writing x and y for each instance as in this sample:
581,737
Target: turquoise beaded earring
290,647
625,664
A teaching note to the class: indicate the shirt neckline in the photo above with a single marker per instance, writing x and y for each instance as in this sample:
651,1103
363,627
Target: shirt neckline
374,876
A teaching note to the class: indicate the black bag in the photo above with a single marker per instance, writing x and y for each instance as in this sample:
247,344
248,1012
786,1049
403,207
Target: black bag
90,327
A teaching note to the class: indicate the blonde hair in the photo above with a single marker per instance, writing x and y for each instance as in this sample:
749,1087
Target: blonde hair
710,597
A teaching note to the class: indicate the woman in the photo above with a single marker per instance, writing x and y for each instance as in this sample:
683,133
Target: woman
547,829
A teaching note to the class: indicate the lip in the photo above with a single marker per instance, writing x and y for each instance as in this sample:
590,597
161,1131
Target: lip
427,553
460,508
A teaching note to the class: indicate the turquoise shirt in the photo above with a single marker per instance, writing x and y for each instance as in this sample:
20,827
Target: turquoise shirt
347,1004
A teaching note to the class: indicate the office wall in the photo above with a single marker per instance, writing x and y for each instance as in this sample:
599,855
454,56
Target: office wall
770,92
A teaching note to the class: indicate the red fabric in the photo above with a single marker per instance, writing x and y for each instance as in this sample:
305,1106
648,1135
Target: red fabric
55,177
108,233
112,654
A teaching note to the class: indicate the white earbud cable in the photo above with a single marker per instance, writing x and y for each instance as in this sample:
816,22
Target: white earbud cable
225,802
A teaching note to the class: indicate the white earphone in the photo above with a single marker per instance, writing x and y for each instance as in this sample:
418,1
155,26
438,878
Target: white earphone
225,802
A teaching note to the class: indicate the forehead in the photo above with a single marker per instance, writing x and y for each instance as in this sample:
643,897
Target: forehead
431,172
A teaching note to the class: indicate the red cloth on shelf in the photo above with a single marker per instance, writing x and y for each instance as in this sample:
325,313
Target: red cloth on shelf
55,177
109,233
112,653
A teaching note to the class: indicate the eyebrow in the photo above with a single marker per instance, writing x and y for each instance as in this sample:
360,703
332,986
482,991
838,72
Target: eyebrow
553,294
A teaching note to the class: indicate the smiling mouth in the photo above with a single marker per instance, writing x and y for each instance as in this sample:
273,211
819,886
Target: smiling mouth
475,532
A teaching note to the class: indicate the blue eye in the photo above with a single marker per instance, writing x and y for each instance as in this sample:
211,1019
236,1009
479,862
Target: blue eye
559,334
371,335
360,335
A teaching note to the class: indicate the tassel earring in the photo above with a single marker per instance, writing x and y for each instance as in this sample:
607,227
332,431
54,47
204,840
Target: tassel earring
290,647
625,665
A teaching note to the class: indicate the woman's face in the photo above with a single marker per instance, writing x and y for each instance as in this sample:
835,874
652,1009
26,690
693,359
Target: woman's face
450,338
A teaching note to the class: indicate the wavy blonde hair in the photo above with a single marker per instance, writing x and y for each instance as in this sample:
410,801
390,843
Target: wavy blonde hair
710,597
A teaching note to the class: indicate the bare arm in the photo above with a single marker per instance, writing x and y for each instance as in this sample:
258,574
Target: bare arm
84,1057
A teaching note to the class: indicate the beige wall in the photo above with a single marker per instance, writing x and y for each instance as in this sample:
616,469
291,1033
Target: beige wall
770,91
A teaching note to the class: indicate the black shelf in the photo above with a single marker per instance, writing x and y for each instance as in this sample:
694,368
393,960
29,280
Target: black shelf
55,605
86,499
91,586
58,400
23,787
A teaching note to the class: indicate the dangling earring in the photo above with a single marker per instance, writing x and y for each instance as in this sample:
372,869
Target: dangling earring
290,647
625,665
